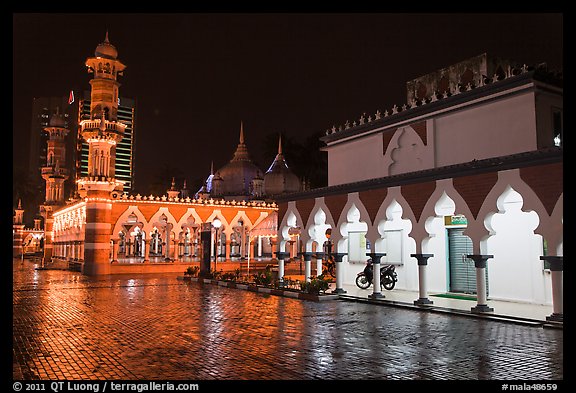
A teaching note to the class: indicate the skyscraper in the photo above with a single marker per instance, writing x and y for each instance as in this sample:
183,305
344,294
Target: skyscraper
43,108
124,163
75,107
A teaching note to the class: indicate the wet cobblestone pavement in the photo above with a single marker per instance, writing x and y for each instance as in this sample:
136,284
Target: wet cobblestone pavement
155,327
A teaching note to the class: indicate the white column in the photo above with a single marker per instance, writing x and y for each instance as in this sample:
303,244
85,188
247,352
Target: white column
422,282
480,264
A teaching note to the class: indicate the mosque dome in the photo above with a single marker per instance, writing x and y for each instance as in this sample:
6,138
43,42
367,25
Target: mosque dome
279,179
106,49
236,177
57,120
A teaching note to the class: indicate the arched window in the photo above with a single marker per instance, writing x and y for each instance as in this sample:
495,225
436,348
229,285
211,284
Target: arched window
443,85
467,77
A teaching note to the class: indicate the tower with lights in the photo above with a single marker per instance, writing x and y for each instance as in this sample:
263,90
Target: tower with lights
102,132
54,174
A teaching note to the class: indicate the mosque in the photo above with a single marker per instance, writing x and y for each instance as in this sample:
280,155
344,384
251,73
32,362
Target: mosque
461,188
105,231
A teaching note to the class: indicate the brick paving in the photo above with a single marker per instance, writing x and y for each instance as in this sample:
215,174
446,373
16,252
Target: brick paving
155,327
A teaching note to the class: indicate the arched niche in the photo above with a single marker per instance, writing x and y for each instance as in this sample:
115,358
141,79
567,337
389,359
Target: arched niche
516,272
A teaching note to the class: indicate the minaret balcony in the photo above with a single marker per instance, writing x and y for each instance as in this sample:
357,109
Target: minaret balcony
50,171
95,126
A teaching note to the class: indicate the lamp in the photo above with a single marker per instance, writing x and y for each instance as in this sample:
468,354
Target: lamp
216,224
241,223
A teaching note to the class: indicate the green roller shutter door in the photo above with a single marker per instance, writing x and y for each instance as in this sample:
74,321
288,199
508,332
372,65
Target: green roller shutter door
462,270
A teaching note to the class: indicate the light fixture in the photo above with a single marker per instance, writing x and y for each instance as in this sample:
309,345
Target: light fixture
557,140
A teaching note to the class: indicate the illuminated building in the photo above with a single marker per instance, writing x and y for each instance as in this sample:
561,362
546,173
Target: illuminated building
107,231
124,163
461,187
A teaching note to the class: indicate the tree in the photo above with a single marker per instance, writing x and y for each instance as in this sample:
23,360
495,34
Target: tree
162,179
24,189
306,160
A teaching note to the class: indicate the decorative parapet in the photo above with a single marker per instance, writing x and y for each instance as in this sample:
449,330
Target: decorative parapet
193,201
454,90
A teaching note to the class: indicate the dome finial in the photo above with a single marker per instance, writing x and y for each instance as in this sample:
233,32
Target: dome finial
280,144
106,38
241,132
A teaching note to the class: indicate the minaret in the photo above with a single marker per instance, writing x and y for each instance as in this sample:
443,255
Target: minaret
18,230
184,192
102,132
241,153
55,174
173,192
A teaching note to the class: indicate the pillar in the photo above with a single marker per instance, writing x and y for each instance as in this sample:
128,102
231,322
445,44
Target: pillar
319,256
422,288
227,248
48,236
339,271
147,244
307,266
281,257
115,246
259,247
97,235
17,241
556,265
377,294
480,264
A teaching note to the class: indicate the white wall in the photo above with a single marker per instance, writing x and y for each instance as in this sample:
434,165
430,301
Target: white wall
361,159
489,129
516,271
498,128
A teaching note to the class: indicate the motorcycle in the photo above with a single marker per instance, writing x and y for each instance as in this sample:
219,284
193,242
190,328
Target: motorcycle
388,276
330,267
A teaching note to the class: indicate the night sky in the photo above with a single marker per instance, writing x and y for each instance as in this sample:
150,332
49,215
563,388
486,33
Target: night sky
197,76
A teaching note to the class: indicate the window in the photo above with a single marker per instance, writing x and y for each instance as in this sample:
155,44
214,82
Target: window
357,246
557,126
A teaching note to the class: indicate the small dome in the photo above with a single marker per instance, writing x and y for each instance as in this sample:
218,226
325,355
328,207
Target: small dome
106,49
57,120
236,176
279,179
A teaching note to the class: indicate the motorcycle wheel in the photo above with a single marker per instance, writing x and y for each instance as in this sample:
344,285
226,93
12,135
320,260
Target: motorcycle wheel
362,282
388,282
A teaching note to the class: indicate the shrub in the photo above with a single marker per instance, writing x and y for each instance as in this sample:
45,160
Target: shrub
316,285
192,271
263,278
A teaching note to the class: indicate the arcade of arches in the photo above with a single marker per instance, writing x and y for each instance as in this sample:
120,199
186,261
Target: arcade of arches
513,217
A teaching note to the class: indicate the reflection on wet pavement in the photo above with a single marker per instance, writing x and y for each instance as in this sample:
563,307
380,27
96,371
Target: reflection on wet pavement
69,326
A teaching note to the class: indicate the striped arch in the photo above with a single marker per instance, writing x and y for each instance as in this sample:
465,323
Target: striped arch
241,215
394,194
156,217
354,200
286,224
312,225
549,227
132,209
555,237
227,228
191,212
